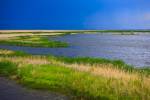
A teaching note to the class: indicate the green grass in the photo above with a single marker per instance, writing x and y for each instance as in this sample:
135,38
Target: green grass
119,64
7,68
78,85
67,81
33,41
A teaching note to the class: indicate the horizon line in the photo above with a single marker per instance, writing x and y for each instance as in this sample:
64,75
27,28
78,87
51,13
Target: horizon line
92,30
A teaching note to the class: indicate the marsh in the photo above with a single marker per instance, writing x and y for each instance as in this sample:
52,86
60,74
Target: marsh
133,49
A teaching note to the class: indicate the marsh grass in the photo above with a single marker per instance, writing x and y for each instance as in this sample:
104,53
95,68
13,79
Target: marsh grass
6,52
79,78
119,64
33,41
7,68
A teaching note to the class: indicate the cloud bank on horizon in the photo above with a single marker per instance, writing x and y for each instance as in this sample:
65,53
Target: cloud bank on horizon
75,14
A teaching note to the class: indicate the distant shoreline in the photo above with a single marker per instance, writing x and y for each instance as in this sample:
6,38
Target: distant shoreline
72,31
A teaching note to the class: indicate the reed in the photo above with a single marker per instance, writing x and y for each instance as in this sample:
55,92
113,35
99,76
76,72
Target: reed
79,78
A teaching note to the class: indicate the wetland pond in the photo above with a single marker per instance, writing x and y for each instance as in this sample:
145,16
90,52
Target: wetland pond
133,49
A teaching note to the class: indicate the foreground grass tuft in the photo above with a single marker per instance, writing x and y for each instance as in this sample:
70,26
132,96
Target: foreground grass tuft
7,68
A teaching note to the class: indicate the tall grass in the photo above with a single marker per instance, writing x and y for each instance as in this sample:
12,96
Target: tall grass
119,64
79,85
7,68
79,78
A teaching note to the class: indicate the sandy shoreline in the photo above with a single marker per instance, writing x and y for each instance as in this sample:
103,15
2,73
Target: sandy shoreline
6,36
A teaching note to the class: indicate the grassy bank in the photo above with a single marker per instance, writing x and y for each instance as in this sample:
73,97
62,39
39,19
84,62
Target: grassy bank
79,78
33,41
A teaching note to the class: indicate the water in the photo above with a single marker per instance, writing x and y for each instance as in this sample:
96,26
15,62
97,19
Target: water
133,49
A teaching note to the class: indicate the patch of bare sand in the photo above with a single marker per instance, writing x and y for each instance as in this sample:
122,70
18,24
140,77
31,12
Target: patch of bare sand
7,36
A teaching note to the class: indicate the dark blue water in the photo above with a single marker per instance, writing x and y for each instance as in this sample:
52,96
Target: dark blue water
133,49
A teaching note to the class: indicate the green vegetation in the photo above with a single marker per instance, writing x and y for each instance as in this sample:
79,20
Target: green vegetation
7,68
119,64
33,41
79,78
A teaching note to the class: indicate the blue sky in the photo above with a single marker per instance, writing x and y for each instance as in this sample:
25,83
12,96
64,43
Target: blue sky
74,14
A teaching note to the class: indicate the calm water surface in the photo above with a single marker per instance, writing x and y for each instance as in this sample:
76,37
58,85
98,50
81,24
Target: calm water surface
133,49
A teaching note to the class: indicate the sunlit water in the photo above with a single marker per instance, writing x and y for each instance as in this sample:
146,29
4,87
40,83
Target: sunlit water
133,49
